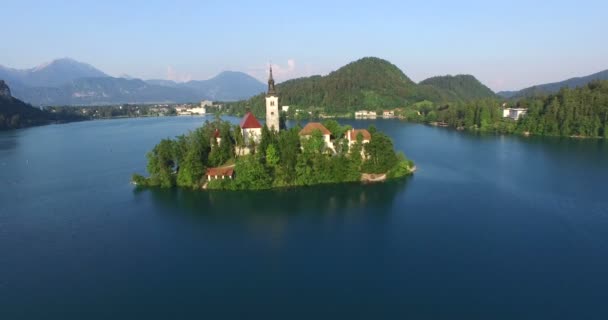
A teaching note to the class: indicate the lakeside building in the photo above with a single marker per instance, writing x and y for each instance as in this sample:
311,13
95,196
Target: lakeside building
206,103
364,114
514,113
185,111
387,114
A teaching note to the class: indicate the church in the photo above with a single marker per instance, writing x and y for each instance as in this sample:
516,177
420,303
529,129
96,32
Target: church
251,129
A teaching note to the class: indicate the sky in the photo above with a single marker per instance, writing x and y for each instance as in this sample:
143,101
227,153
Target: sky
507,45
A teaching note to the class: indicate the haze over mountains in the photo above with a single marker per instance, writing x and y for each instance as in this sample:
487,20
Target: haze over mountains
365,82
69,82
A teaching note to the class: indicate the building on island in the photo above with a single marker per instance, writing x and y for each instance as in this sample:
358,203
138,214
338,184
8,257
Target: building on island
351,136
311,127
272,105
251,129
220,173
514,113
217,136
285,108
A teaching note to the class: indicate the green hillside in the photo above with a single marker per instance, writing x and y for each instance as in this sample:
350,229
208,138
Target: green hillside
461,87
368,83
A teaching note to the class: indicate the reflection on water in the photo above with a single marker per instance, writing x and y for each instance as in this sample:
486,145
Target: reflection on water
271,205
8,140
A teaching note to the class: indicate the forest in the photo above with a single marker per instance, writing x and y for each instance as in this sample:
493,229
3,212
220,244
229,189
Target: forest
368,83
579,112
277,160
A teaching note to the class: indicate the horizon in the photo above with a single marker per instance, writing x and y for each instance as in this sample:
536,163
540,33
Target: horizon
520,49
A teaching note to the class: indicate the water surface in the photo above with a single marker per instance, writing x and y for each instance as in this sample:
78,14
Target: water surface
489,227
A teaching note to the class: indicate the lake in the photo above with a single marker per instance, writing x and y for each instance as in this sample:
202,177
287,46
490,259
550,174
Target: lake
489,227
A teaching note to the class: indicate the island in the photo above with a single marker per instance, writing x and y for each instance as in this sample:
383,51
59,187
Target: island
252,156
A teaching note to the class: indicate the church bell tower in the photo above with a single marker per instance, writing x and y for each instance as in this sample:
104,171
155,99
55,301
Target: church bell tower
272,105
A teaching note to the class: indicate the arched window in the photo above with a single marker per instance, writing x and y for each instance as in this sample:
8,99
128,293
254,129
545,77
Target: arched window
272,103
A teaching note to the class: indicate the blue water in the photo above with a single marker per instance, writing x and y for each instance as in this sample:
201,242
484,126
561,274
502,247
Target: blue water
489,227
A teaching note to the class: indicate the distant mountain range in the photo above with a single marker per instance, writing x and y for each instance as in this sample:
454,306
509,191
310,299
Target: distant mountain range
370,83
69,82
549,88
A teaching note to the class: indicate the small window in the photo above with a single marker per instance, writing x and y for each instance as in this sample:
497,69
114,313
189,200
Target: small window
272,103
272,113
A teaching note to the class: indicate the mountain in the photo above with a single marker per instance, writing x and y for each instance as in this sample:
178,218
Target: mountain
549,88
14,113
53,74
369,83
366,83
69,82
102,91
226,86
459,87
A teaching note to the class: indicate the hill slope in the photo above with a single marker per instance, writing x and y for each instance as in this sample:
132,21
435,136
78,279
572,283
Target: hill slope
459,87
14,113
365,83
369,83
549,88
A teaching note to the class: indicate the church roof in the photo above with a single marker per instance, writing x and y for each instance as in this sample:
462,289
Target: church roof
311,127
216,133
250,122
352,134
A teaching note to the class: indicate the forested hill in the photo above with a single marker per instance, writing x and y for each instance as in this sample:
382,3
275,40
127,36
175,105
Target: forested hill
461,87
14,113
369,83
551,88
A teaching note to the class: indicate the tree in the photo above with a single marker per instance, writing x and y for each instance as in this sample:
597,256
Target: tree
161,164
272,156
380,154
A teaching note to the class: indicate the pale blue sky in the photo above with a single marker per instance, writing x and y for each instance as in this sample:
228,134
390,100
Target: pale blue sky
506,45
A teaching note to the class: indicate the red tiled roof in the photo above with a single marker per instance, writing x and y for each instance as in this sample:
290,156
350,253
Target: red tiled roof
220,171
311,127
354,132
250,122
216,133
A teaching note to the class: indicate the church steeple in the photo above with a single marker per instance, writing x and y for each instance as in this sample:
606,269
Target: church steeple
271,89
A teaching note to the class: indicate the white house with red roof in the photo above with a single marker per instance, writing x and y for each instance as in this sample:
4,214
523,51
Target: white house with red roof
351,136
311,127
251,129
